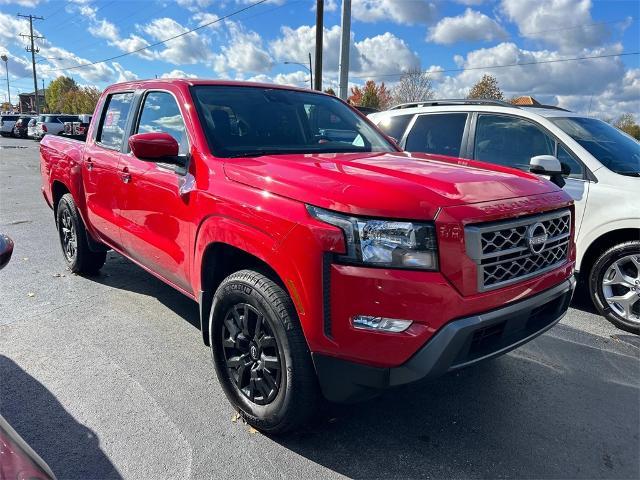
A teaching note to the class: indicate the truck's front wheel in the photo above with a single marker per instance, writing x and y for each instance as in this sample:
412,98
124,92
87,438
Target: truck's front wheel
260,354
73,239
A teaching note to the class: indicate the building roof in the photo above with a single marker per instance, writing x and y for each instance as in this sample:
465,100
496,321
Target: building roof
31,94
525,100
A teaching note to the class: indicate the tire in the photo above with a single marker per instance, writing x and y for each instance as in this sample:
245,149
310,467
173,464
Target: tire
273,353
623,283
73,239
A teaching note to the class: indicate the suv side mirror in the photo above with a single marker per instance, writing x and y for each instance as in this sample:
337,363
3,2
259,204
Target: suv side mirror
547,165
6,250
155,147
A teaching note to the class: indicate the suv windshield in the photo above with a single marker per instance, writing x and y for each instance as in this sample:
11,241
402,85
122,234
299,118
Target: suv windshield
614,149
252,121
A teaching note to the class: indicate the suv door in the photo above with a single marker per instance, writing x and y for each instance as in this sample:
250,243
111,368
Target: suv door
101,176
511,141
439,133
155,214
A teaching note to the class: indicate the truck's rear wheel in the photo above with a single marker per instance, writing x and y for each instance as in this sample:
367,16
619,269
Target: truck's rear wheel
614,284
260,354
73,239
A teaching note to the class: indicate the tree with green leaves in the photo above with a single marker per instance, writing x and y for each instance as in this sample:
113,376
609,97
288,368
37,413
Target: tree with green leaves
57,91
627,123
330,91
486,88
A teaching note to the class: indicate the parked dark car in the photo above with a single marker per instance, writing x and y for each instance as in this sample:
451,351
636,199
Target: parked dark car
21,127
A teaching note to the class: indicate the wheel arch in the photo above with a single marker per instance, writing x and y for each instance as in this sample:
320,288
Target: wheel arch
604,242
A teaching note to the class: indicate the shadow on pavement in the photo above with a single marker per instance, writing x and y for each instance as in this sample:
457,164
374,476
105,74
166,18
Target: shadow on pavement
119,272
582,300
69,448
556,408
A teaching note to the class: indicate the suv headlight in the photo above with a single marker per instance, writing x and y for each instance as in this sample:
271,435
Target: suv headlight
384,243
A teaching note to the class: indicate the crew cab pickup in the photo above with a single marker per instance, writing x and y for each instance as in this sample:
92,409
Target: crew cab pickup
323,258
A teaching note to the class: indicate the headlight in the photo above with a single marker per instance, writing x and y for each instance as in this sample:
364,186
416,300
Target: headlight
384,243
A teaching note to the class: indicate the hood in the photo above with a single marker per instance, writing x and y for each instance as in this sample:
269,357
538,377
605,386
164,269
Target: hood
393,185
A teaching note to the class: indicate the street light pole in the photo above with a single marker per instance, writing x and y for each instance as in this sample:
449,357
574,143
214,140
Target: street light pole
309,68
319,36
5,59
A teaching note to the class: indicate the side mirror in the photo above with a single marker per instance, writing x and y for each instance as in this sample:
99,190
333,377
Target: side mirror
6,250
547,165
155,147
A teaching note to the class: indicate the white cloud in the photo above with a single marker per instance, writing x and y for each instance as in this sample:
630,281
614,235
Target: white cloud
553,22
123,74
379,55
408,12
560,78
178,74
187,49
22,3
385,54
619,97
471,26
244,53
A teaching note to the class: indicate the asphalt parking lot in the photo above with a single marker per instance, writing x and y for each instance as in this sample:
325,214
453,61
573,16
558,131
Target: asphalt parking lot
107,377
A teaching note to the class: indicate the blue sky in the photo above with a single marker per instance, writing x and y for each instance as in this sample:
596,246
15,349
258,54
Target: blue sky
388,37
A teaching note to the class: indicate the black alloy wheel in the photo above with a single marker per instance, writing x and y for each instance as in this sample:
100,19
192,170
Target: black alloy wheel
68,236
251,353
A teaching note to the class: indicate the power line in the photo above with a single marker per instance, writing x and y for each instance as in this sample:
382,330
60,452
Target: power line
219,19
576,26
559,60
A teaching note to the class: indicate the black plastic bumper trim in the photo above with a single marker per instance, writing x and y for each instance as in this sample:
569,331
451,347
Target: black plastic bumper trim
456,345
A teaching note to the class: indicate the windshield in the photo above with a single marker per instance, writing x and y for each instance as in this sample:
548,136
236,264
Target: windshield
252,121
614,149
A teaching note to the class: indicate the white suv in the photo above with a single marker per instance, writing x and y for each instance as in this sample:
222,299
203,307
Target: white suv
52,124
601,166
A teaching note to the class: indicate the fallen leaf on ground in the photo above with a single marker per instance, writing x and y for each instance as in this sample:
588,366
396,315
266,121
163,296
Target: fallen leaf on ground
31,294
252,430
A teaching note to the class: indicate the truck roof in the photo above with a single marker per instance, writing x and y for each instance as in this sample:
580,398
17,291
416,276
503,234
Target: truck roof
155,82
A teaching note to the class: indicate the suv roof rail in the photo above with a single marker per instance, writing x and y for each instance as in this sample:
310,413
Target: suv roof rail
547,107
454,101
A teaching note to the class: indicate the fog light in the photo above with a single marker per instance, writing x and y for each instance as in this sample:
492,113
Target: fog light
366,322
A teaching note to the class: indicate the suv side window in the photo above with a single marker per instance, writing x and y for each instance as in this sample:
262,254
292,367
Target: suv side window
510,141
114,120
395,126
439,133
160,113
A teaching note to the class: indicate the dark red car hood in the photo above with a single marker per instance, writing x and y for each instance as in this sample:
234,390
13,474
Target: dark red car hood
395,185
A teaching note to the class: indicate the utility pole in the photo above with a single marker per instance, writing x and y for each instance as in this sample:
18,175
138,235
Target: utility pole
345,44
310,72
319,35
33,49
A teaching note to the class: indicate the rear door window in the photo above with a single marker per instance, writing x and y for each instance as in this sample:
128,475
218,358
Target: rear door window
510,141
439,133
114,120
395,126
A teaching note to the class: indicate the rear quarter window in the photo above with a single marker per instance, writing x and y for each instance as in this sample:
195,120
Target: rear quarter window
439,133
395,126
114,120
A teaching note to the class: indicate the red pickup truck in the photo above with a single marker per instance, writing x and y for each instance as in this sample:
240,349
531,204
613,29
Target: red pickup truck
323,258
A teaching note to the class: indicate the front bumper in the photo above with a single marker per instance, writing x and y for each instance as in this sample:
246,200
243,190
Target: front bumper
457,344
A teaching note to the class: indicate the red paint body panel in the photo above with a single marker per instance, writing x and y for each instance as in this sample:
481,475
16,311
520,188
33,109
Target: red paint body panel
259,205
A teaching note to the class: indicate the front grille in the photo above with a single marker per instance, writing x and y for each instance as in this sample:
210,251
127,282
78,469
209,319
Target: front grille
514,250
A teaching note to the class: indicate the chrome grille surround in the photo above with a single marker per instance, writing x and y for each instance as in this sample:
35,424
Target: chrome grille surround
509,251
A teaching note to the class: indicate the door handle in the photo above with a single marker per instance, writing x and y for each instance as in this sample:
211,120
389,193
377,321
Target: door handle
89,163
125,175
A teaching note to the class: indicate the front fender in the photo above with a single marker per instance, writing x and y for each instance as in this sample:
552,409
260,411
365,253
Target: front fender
587,238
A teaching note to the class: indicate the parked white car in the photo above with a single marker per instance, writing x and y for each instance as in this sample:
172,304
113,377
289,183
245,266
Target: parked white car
53,124
7,122
601,167
31,128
